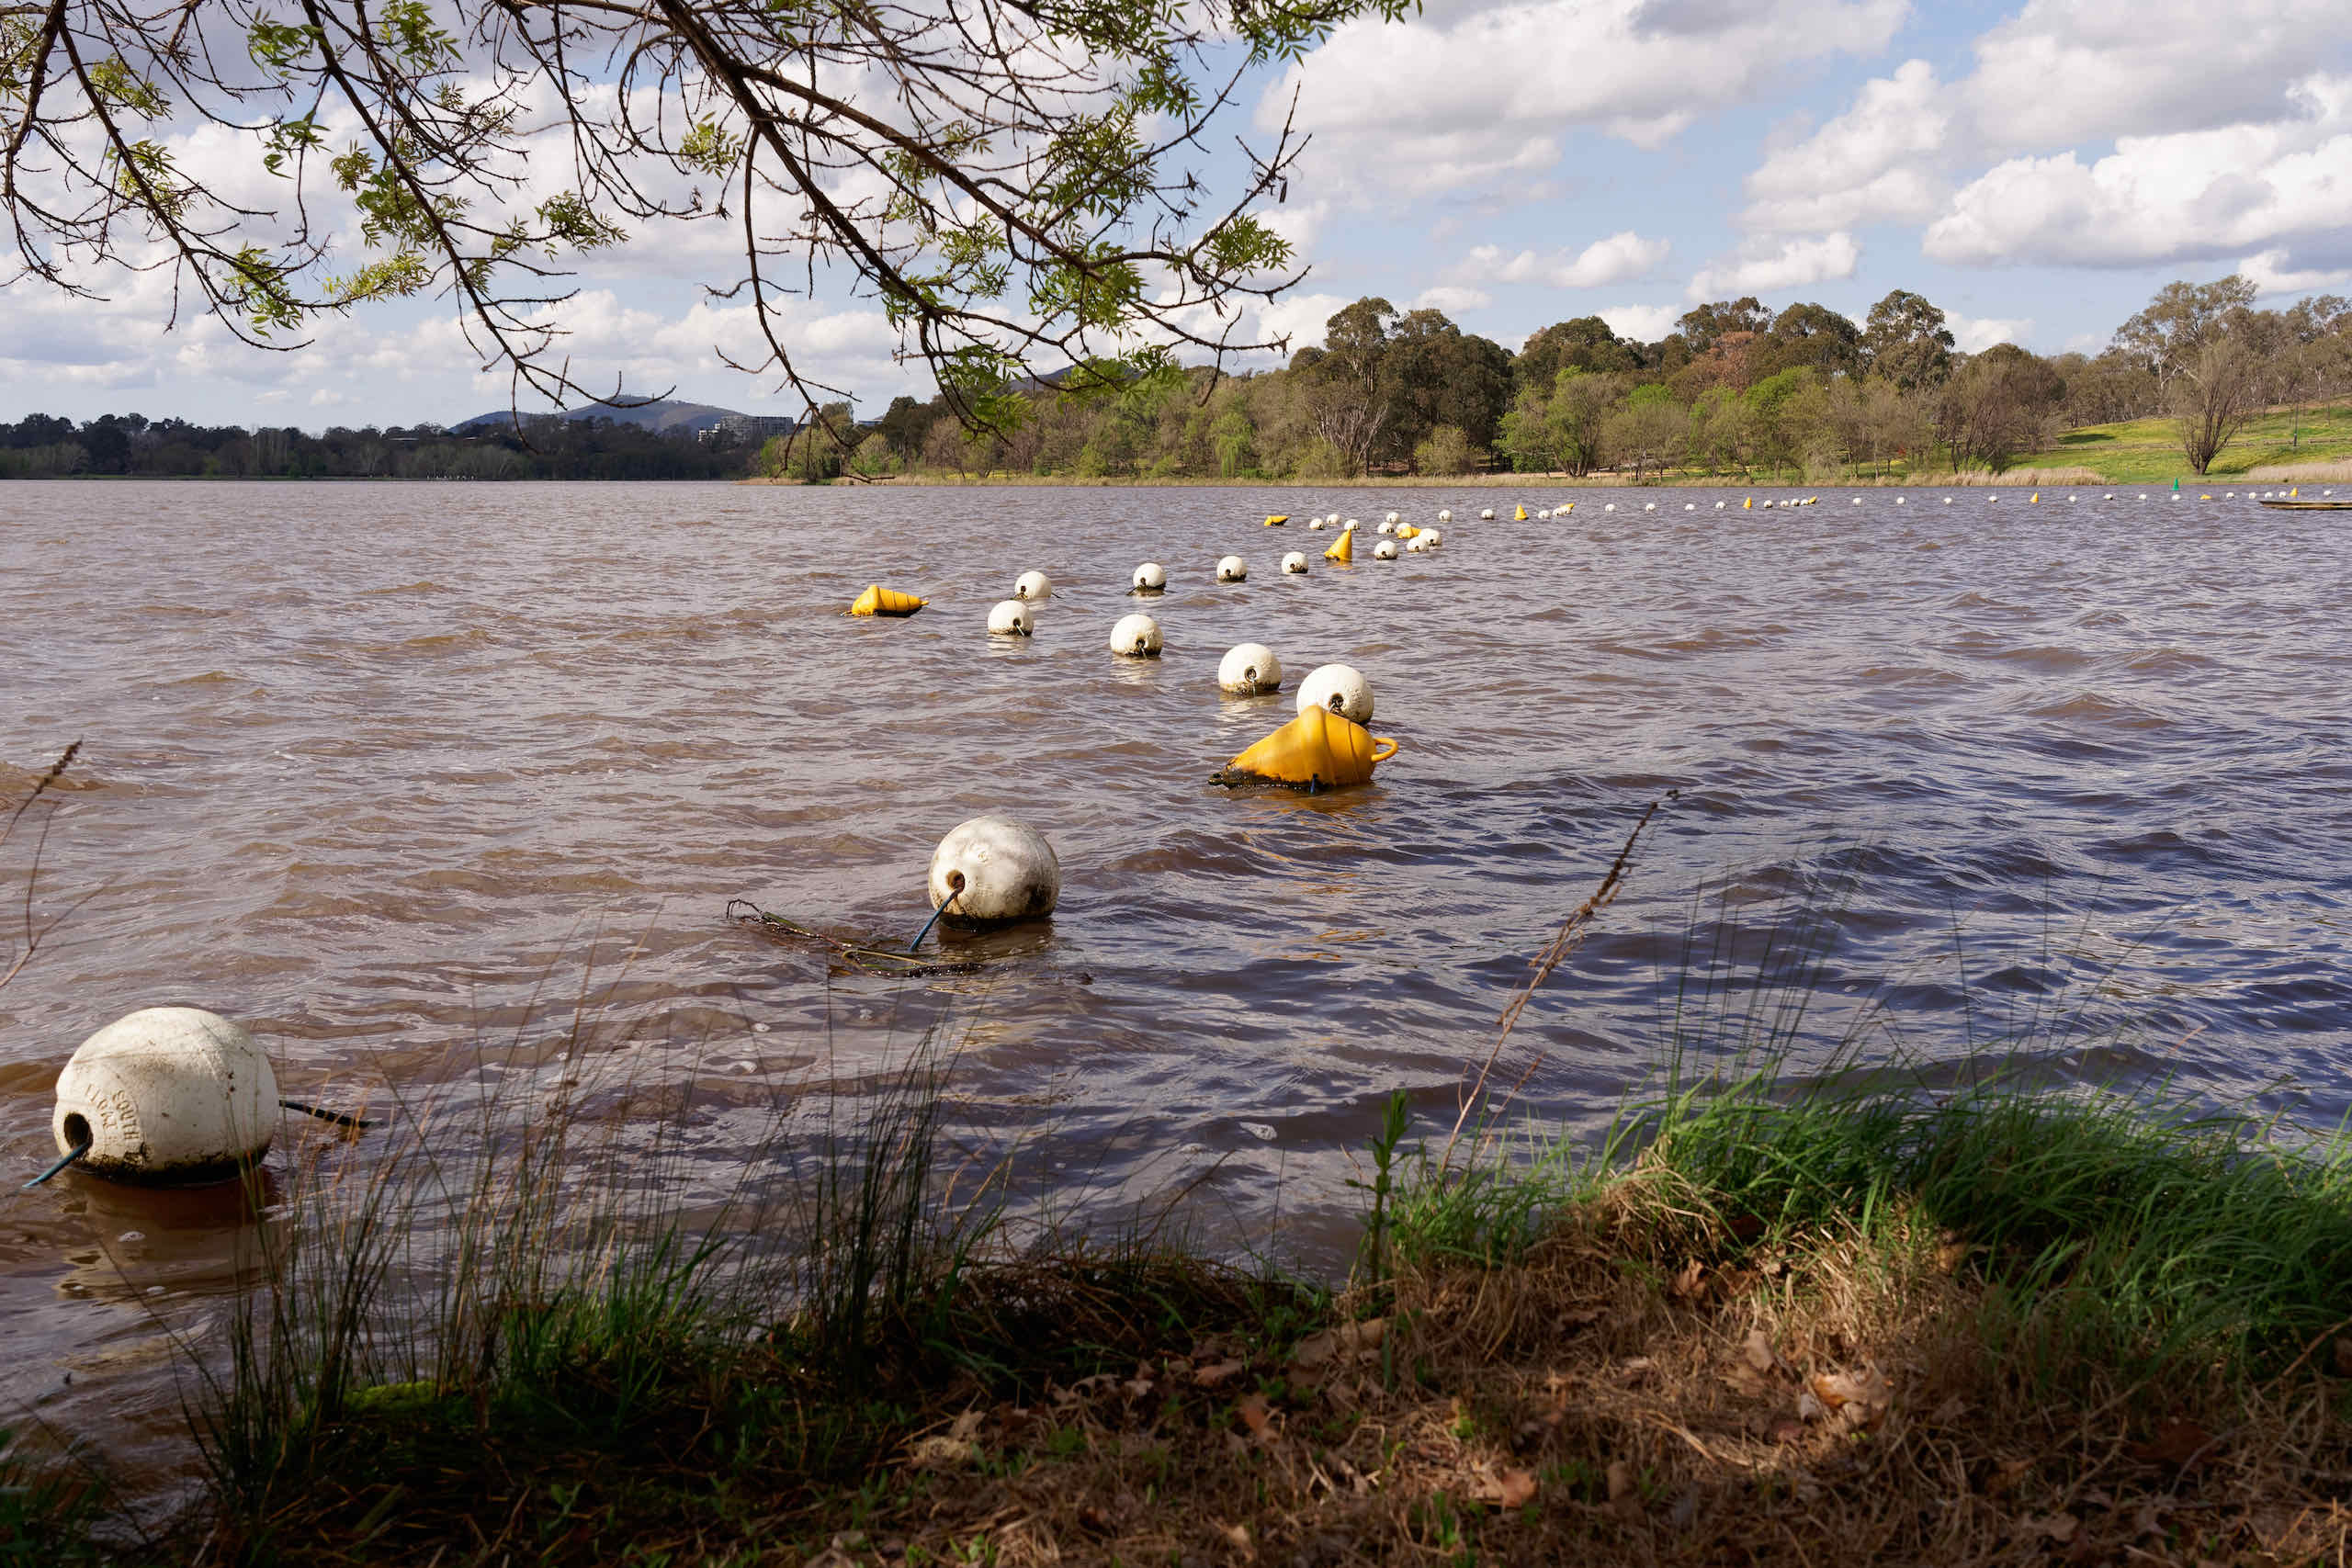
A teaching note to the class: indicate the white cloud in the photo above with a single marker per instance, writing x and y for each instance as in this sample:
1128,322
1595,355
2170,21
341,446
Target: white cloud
2271,274
1455,97
1870,164
1622,257
1642,323
2157,198
2062,71
1452,299
1301,317
1762,267
1975,335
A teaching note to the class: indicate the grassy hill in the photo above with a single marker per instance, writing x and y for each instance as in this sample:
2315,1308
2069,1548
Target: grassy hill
2142,451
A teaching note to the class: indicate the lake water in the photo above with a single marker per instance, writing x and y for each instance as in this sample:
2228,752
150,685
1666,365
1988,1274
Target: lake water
398,775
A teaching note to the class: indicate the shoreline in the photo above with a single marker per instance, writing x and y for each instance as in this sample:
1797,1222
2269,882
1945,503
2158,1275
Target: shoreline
1772,1320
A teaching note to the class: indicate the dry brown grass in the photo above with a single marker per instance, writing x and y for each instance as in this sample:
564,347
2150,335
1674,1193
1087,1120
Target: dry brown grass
1631,1395
2339,471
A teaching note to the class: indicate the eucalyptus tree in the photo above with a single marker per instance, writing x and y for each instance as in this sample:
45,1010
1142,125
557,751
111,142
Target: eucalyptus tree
1023,186
2169,337
1906,341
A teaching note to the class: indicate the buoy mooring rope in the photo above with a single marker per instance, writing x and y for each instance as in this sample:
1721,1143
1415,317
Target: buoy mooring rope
76,1153
931,922
341,1119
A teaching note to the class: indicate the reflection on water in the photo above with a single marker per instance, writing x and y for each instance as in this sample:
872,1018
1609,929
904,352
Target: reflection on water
418,780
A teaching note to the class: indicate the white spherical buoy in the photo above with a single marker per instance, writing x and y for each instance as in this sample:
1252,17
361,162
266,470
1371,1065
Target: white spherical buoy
1032,585
1384,550
1135,637
1649,506
1445,515
1250,668
1341,688
1319,525
1150,577
992,869
1612,506
1330,517
1488,514
1388,527
1295,562
1232,569
1415,545
1435,536
1011,618
1719,506
167,1097
1349,527
1391,519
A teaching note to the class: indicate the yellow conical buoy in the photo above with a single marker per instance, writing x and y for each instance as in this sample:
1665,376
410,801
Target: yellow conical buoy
2294,492
1318,750
1748,505
880,601
1407,531
2034,497
1344,548
1569,507
1519,513
1277,519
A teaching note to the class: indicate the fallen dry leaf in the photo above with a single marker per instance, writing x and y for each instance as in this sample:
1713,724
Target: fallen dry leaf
1239,1535
1950,1411
967,1426
2012,1471
1581,1317
1512,1489
1686,1283
2059,1528
1788,1431
1210,1376
1348,1340
1857,1399
1623,1500
1743,1379
2182,1444
1254,1414
944,1453
1758,1351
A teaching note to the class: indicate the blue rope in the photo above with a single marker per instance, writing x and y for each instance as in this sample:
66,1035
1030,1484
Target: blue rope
79,1150
929,923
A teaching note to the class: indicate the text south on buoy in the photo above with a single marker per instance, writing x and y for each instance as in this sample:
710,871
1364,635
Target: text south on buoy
170,1095
991,871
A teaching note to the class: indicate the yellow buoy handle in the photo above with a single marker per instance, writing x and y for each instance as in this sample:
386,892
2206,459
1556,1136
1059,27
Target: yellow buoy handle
1377,742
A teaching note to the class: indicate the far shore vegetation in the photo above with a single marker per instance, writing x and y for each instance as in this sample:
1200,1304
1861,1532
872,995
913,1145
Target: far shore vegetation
1859,1311
2199,386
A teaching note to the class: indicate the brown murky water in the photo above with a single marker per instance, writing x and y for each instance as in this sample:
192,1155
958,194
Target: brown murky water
397,773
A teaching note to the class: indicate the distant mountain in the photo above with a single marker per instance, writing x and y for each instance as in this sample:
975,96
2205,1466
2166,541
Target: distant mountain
663,416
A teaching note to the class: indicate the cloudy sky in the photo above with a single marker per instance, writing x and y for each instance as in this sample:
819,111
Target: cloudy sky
2036,170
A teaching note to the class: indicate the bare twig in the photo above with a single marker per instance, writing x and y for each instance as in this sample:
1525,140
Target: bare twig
1570,934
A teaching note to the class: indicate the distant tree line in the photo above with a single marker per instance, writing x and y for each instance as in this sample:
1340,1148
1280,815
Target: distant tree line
546,448
1734,390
